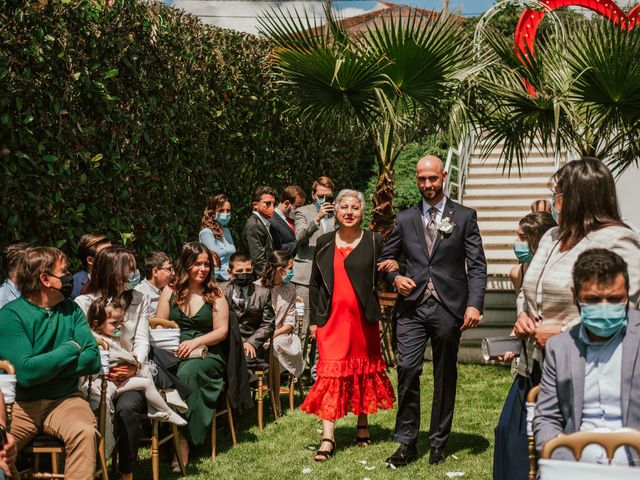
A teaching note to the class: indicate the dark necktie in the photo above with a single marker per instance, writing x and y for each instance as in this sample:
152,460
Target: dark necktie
431,229
242,300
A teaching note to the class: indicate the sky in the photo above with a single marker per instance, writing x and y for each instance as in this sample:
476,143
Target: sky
241,14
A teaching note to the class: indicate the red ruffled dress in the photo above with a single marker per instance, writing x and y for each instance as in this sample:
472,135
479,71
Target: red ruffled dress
351,374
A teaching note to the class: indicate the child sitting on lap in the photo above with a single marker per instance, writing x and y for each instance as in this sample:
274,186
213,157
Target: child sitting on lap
105,318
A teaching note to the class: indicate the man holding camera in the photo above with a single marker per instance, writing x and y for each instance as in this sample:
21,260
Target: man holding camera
311,221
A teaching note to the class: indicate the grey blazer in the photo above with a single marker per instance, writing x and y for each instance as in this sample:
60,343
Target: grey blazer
559,406
307,233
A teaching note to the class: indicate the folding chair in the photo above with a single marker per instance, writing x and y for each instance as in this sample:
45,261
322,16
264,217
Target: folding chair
532,398
54,447
387,301
610,441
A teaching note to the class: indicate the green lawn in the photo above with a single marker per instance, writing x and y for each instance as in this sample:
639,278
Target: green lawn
285,449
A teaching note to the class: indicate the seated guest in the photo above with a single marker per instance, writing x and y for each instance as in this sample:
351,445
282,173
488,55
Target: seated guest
282,222
158,271
114,275
286,344
47,338
215,234
250,305
257,232
8,451
589,380
195,302
9,290
88,248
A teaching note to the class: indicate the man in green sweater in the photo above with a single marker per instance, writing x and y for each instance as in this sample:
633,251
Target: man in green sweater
45,335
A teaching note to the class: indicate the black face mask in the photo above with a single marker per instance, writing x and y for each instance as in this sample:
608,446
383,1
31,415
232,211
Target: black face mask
67,285
243,279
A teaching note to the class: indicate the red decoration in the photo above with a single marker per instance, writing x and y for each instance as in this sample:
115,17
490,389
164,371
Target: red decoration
530,20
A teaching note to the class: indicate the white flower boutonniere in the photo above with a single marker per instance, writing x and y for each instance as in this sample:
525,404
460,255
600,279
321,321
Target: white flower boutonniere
445,227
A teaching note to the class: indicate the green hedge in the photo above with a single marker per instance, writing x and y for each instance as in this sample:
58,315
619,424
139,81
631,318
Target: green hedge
125,119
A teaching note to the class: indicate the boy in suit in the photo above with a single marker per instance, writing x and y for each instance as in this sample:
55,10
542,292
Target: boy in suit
251,305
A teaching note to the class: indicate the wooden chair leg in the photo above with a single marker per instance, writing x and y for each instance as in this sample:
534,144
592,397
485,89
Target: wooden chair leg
214,436
176,446
292,391
36,463
274,392
232,428
54,463
260,401
155,453
533,463
102,458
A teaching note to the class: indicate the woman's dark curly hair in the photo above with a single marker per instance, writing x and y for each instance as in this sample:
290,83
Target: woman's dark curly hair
277,259
180,282
209,216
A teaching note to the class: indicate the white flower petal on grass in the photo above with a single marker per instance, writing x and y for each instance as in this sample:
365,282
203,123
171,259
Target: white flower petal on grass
369,468
455,474
454,457
362,462
306,470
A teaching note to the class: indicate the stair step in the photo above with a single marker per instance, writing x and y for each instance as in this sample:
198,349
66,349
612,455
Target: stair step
505,193
530,181
502,209
500,269
499,201
489,171
497,215
502,238
498,225
498,246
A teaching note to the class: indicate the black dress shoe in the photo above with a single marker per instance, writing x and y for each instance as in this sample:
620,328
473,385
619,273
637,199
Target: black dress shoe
406,453
436,456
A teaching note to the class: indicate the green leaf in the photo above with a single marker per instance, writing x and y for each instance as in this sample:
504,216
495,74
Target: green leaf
111,73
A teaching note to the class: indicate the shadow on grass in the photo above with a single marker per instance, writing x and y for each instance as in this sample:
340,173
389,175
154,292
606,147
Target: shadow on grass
346,435
475,444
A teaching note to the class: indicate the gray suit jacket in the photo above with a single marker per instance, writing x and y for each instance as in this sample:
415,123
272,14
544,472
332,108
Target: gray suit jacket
559,406
307,233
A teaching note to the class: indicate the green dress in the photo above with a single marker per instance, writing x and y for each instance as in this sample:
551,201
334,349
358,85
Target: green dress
204,376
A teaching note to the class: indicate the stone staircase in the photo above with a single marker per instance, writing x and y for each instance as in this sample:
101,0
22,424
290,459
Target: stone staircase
501,201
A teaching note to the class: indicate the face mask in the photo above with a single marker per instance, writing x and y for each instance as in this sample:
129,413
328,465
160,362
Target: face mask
67,285
522,251
134,279
319,202
554,213
117,332
216,272
243,279
603,319
288,276
223,218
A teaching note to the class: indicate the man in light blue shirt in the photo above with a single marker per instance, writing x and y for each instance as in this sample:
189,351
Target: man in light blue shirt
12,254
158,271
587,382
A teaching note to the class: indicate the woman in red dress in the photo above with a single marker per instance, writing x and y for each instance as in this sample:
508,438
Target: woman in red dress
344,319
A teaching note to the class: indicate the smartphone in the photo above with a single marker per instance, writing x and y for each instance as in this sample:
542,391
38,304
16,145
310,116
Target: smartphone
3,436
328,199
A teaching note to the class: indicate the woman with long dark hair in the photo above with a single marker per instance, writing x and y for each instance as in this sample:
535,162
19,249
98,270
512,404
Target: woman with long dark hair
585,205
215,234
196,303
115,275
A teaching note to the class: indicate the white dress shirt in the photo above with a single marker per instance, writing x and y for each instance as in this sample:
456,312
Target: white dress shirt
426,216
152,293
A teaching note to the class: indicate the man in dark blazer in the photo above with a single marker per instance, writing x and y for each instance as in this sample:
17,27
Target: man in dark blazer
591,371
257,234
440,295
282,222
250,306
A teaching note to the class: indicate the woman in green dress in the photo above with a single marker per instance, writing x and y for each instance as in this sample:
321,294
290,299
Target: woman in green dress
196,303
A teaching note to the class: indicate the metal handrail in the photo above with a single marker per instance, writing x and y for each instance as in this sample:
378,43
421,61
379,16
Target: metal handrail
463,152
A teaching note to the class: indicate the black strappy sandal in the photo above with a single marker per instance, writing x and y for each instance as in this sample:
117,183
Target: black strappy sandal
326,455
363,441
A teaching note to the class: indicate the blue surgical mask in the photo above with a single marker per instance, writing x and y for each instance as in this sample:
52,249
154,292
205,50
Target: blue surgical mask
134,280
603,319
117,332
319,202
523,252
223,218
554,213
288,277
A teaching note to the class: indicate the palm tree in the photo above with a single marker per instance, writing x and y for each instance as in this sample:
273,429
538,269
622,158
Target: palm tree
580,92
389,84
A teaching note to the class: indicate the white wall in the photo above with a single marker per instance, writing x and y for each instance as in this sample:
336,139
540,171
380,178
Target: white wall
628,187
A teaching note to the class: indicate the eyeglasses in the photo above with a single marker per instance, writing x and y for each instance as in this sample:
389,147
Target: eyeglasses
168,269
268,204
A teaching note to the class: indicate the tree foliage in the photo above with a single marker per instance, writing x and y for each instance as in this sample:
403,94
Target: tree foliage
124,119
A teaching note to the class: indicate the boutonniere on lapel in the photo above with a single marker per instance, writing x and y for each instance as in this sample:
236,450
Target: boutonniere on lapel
445,227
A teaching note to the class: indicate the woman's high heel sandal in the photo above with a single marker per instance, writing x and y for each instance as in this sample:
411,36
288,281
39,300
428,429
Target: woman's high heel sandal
363,441
324,455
